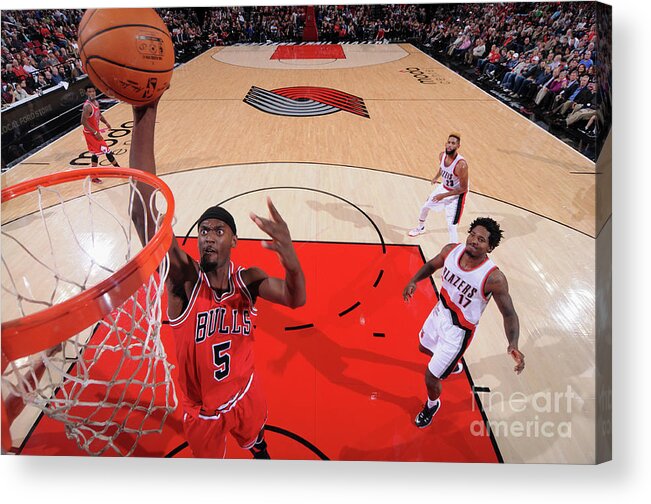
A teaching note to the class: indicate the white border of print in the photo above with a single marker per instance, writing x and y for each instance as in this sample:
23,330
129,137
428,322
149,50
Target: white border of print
24,479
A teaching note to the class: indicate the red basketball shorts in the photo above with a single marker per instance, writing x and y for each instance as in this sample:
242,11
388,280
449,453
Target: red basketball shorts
206,435
96,146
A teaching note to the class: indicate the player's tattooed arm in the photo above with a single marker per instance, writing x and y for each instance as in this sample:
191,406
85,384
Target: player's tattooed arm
498,286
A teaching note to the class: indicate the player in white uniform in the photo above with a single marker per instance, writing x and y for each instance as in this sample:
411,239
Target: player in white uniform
450,196
468,281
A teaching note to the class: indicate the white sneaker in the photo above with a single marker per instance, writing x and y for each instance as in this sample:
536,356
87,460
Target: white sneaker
417,231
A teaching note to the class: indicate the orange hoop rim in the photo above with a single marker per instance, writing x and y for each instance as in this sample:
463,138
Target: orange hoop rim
46,328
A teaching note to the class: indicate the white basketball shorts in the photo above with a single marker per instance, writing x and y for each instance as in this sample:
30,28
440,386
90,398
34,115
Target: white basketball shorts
452,206
446,341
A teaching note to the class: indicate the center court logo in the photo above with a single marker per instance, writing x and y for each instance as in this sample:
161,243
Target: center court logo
305,101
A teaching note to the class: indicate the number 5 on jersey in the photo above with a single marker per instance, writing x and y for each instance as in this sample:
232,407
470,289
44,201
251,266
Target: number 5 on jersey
221,359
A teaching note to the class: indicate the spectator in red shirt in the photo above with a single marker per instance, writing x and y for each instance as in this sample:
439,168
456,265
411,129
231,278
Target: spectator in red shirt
45,32
18,71
493,57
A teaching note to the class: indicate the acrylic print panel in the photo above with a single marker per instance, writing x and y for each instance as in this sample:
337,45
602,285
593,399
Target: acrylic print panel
344,136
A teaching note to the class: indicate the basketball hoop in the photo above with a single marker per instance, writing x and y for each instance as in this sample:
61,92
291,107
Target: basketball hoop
81,307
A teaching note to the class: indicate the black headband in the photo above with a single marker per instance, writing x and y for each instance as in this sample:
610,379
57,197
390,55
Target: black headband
215,212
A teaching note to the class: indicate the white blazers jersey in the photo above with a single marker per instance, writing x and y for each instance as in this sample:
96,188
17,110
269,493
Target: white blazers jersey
462,291
450,179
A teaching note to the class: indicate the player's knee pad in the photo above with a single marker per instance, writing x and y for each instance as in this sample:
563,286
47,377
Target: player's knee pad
110,157
259,449
94,159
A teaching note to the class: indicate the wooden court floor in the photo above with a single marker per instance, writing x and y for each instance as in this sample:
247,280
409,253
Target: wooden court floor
345,177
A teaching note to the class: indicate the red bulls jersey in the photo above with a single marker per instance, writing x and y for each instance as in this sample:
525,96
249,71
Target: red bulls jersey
214,346
93,120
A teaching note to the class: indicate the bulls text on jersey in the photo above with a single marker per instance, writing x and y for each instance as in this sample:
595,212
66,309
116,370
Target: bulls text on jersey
215,320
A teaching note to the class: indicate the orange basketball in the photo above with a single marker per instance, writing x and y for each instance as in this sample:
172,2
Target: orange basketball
127,53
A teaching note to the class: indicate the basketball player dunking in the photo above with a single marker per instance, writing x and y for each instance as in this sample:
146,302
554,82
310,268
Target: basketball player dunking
451,194
468,281
90,118
211,309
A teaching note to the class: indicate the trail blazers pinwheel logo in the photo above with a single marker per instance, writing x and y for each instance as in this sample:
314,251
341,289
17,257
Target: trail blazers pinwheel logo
305,101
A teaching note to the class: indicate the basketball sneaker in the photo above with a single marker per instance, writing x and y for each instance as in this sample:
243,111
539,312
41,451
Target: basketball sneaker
96,180
417,231
424,418
458,369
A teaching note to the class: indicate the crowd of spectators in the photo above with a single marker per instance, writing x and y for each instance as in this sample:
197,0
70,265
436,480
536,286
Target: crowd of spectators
540,55
39,51
193,29
370,23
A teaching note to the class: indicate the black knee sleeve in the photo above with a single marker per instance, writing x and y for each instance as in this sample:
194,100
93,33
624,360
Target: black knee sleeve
259,449
110,157
94,159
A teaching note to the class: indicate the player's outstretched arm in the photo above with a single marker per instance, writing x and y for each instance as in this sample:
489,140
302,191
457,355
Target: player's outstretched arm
290,291
427,270
499,287
183,271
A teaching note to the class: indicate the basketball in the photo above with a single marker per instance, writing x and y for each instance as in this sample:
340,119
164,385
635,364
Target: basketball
127,53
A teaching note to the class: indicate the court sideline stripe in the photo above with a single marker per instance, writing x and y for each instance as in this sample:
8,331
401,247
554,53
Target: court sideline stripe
475,393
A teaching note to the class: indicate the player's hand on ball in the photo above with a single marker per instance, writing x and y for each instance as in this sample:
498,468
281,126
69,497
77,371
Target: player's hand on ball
408,291
518,357
151,105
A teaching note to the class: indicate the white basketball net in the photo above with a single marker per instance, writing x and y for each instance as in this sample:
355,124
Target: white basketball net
109,384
